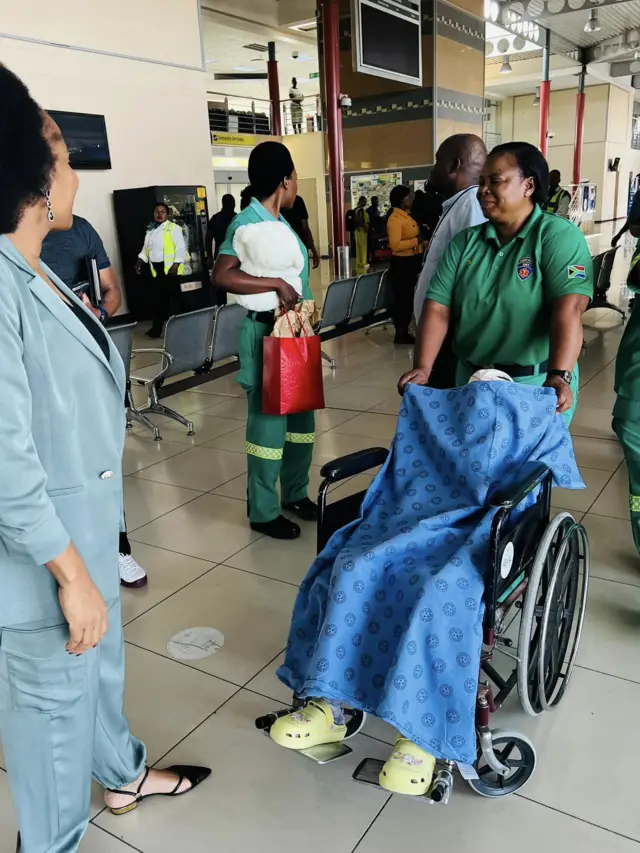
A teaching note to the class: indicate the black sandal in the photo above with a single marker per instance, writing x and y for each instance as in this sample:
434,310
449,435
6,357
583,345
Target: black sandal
194,775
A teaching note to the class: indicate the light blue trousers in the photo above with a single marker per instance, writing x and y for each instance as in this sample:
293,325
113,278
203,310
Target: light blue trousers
62,723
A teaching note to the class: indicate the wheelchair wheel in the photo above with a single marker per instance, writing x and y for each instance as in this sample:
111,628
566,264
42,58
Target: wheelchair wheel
553,614
355,720
515,751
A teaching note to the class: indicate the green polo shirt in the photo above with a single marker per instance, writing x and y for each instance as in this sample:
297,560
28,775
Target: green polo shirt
255,212
501,296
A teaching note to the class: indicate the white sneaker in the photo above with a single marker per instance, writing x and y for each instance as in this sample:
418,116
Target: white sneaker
132,575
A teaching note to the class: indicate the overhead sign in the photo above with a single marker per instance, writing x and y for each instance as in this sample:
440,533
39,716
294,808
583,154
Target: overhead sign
241,139
388,39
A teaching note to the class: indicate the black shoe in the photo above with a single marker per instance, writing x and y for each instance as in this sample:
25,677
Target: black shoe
154,333
279,528
304,509
404,338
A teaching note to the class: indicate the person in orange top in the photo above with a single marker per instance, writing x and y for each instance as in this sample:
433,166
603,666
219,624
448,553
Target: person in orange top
404,241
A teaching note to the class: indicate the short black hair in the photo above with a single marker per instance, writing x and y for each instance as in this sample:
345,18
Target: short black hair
162,204
294,83
531,164
26,159
269,164
228,202
375,199
245,197
398,195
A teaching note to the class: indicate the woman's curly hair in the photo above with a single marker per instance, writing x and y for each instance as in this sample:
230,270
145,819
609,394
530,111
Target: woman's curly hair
26,160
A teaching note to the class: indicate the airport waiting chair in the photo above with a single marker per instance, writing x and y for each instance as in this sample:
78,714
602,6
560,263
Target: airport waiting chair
122,337
336,310
186,348
602,268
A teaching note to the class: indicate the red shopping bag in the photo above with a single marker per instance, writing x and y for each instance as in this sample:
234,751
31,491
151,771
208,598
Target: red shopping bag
292,375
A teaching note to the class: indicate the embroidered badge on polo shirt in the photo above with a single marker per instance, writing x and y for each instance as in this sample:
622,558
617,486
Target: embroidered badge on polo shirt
576,272
525,268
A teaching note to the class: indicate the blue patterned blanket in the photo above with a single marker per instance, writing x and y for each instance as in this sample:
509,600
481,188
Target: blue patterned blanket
389,617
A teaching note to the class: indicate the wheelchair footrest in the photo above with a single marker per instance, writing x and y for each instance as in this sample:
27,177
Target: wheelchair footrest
368,773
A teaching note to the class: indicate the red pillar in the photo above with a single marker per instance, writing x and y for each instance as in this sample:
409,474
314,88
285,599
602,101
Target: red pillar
274,91
331,63
545,96
577,150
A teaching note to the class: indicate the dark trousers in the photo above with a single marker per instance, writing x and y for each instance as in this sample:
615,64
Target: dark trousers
125,547
404,274
166,294
443,374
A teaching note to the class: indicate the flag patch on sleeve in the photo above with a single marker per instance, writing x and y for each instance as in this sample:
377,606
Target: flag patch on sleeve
577,272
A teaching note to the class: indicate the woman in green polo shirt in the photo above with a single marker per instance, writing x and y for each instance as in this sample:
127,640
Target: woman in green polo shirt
514,288
279,448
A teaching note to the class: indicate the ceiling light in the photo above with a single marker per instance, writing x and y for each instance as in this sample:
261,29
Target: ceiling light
243,68
506,68
592,25
536,100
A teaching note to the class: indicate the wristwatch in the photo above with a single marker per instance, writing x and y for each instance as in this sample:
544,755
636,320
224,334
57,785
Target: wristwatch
104,316
565,375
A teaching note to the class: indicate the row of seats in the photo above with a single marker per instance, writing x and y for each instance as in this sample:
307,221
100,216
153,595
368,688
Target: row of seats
198,341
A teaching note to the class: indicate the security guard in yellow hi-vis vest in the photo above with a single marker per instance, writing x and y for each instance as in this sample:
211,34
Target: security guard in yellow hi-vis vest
626,412
514,289
279,448
165,251
558,200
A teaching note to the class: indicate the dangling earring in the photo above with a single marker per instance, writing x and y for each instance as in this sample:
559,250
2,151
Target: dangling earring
47,198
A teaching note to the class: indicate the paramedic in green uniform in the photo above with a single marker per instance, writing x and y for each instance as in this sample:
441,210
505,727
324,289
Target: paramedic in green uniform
514,288
626,412
278,447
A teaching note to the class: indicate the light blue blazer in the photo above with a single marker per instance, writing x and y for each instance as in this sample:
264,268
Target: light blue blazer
61,438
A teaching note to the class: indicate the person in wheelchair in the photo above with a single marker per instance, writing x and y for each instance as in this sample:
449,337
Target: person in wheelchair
513,289
389,619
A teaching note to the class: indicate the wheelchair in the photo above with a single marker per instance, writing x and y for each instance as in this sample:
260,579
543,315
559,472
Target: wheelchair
535,601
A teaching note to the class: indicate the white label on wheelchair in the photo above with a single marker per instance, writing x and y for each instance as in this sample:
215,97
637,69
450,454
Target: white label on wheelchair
507,560
186,286
195,643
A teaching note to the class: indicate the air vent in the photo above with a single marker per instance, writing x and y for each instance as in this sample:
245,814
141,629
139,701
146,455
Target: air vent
261,48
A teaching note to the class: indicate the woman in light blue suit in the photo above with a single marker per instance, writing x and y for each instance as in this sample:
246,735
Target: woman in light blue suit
61,437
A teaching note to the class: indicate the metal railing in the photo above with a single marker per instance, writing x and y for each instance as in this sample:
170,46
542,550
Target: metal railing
582,204
303,118
229,114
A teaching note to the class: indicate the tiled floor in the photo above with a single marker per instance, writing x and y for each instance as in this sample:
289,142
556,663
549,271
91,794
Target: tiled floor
184,500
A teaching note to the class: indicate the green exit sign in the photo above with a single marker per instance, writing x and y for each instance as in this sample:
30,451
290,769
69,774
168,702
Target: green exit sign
314,75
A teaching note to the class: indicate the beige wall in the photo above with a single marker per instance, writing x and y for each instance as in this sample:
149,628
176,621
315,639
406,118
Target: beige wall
162,30
156,115
607,133
307,150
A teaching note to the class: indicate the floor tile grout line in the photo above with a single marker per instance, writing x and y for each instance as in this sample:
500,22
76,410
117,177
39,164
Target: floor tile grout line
199,725
145,467
266,666
371,825
131,530
576,817
106,832
607,674
182,663
175,592
610,580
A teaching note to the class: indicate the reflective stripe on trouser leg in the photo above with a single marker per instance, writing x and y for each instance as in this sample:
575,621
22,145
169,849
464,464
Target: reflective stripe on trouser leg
265,451
634,503
298,454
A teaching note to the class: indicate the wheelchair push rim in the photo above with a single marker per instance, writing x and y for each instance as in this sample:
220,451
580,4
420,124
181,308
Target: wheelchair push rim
553,615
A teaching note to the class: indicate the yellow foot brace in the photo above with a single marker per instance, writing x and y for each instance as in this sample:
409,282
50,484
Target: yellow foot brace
408,770
311,726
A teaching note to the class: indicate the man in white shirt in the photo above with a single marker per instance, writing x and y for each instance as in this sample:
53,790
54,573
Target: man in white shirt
455,175
165,251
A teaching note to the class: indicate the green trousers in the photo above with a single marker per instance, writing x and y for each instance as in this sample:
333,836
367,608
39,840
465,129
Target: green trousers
279,447
626,425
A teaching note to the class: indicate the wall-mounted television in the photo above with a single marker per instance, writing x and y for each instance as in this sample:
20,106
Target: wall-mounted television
388,39
86,138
